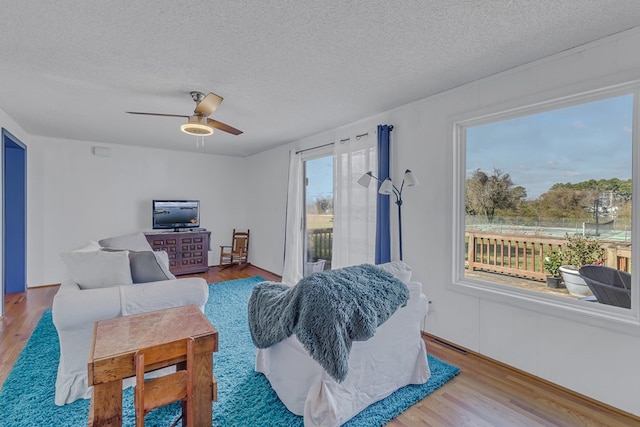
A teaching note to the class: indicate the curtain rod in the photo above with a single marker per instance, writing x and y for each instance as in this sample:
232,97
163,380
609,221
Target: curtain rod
342,141
313,148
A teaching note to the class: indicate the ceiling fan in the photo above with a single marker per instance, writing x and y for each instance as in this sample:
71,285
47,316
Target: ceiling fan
199,124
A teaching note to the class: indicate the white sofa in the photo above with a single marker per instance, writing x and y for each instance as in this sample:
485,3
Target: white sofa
394,357
100,286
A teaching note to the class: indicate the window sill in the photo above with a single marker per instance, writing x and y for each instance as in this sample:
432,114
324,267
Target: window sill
584,312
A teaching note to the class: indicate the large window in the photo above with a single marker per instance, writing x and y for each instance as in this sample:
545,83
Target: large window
544,188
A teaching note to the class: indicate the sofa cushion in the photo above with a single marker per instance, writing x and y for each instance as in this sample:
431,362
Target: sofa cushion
98,269
131,242
147,267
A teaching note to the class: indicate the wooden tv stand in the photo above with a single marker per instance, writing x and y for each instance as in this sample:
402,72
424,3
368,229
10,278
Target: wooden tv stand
188,250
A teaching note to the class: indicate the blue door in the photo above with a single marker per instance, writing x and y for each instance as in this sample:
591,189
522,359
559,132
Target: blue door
14,192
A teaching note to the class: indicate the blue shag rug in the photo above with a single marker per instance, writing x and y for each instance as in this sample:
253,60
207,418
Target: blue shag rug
245,397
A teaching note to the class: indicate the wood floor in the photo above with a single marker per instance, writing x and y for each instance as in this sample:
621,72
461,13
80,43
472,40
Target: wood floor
485,393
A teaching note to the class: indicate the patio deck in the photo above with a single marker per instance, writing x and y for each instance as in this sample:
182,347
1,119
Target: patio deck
518,282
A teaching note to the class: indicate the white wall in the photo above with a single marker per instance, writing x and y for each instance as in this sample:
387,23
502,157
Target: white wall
267,199
75,196
590,359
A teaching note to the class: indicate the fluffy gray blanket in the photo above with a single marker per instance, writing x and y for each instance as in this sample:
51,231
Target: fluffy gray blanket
327,311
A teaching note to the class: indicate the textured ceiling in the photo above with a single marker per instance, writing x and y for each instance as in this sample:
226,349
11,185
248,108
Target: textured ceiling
287,69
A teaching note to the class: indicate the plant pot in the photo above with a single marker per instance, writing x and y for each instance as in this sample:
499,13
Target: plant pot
574,282
554,282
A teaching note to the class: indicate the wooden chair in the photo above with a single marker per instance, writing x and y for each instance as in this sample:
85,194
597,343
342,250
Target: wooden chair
157,392
237,252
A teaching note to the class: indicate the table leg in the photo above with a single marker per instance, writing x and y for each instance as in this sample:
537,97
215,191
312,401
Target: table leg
106,405
202,390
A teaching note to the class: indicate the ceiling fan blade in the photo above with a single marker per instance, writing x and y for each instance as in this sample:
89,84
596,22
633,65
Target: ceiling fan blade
157,114
223,127
208,104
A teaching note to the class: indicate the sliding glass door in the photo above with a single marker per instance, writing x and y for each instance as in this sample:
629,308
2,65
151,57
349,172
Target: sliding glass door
318,216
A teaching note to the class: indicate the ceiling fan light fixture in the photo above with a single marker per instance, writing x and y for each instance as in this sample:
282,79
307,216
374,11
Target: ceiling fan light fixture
195,126
199,124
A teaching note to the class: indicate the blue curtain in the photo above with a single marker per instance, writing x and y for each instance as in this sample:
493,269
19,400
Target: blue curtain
383,217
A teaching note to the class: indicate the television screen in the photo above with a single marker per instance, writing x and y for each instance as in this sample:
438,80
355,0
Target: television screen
176,214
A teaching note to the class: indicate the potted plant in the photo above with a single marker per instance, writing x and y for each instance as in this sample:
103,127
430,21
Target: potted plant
551,264
579,251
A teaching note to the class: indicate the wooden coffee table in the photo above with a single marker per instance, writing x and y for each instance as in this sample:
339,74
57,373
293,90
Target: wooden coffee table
111,358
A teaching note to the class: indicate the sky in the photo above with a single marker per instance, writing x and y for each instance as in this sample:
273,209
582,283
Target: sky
573,144
320,174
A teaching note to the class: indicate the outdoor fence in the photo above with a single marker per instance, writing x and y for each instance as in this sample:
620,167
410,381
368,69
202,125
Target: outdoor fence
320,242
522,255
618,229
514,254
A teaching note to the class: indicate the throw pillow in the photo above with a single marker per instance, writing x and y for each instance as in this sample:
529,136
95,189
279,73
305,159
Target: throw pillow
98,269
90,246
147,267
399,269
131,242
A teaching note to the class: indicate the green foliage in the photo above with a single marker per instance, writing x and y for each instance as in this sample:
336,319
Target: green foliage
582,250
562,200
552,262
602,185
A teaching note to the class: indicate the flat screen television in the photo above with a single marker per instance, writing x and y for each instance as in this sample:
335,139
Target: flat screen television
176,214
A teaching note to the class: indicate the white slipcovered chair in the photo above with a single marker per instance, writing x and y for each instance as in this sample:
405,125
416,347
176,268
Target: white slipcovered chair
128,278
394,357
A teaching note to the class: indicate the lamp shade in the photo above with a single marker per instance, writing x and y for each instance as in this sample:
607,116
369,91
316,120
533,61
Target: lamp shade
365,179
386,187
409,178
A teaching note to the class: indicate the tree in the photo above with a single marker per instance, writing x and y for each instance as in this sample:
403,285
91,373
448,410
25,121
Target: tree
565,202
620,188
624,190
578,200
324,205
487,193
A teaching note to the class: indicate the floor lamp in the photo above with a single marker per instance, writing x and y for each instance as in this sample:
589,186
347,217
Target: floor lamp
387,187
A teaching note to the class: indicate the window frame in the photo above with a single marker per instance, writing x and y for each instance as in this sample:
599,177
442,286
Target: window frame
620,319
